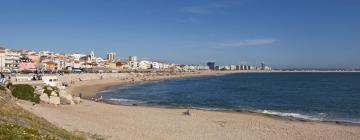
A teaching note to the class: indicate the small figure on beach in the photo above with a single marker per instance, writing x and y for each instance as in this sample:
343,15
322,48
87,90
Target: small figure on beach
187,112
80,95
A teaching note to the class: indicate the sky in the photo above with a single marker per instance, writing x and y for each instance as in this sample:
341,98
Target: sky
279,33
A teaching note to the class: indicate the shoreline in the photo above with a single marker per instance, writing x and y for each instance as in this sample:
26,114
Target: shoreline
214,73
116,121
108,83
274,116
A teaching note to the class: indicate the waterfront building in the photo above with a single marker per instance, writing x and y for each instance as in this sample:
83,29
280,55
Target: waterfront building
77,56
262,66
132,58
2,59
232,67
211,65
26,64
12,59
50,65
133,63
111,56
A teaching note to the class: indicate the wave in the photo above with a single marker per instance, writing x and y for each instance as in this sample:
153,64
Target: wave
125,101
294,115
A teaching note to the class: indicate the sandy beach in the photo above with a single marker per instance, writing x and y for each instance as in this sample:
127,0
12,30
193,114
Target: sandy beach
137,122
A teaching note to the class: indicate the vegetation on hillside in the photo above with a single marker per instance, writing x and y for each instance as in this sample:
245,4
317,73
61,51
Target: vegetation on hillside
25,92
17,123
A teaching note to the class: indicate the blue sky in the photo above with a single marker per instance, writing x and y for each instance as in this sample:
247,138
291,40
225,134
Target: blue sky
281,33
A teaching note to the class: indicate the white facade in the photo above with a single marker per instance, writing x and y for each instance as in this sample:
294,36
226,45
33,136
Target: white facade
77,56
144,64
92,56
132,58
2,59
12,60
111,56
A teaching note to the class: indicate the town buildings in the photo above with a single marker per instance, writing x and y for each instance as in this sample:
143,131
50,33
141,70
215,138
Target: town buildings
46,61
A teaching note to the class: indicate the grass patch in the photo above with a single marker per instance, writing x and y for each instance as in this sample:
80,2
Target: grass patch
17,132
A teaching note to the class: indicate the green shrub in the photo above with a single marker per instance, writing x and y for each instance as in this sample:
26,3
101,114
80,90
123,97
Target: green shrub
16,132
25,92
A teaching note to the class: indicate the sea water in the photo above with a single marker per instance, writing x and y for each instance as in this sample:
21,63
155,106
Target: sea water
314,96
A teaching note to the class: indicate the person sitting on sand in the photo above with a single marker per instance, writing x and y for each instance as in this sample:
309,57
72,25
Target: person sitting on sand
187,112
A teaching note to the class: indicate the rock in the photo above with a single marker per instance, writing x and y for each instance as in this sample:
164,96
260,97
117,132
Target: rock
39,88
44,98
54,100
77,100
66,99
49,88
61,87
53,93
63,93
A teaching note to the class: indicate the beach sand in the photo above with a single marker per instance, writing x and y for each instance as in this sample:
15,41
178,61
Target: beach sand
152,123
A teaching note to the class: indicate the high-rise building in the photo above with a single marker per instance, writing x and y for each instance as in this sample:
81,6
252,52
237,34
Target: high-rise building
111,56
262,66
132,58
211,65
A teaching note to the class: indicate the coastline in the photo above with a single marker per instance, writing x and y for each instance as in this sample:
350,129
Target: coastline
149,122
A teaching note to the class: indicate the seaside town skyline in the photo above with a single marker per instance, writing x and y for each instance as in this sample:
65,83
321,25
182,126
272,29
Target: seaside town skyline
12,60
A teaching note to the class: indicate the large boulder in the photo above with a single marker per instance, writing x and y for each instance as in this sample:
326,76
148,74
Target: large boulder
39,90
63,93
66,99
61,87
48,88
54,100
77,100
53,93
44,98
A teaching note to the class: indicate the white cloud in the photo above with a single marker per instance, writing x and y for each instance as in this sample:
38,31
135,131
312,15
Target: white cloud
241,43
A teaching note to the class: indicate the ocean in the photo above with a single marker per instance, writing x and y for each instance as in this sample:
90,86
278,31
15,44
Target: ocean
317,96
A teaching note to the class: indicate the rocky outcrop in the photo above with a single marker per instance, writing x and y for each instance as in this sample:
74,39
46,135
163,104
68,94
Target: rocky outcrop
54,100
44,98
39,90
65,98
77,100
58,95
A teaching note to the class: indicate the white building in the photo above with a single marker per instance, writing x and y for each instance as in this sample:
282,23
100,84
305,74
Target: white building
132,58
232,67
2,59
12,59
77,56
111,56
133,63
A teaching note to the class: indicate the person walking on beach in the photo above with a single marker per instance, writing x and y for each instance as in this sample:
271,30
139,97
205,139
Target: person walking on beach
80,95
